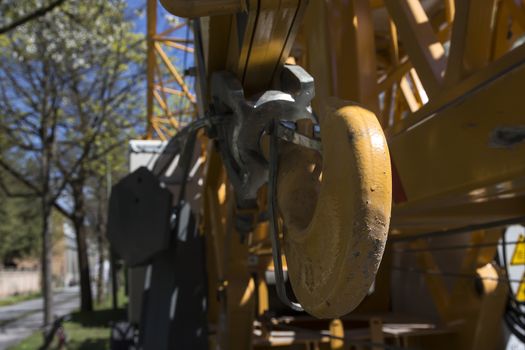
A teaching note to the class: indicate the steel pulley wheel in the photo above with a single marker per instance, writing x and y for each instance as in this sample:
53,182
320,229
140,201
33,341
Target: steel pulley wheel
335,221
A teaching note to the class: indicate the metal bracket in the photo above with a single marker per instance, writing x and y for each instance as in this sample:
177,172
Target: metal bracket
242,123
289,135
244,120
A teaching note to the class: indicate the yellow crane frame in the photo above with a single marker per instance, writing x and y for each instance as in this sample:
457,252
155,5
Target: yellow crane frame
444,79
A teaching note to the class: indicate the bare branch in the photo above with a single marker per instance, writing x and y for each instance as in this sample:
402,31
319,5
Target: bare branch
11,194
34,15
20,177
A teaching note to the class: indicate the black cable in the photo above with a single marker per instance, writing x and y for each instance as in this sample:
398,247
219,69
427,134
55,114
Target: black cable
451,274
274,226
514,317
181,104
452,247
200,78
458,230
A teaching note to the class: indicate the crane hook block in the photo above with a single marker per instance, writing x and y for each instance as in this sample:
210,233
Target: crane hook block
336,218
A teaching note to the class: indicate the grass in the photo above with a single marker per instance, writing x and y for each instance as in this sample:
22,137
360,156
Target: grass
14,299
85,330
79,338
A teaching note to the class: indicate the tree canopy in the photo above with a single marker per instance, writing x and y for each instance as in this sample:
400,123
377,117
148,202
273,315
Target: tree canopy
71,95
19,227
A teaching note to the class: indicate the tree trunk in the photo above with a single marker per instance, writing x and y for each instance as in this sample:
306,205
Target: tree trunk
47,253
100,277
47,244
79,215
86,298
99,231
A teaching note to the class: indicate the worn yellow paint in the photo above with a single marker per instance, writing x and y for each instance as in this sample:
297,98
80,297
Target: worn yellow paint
337,331
335,232
262,297
450,172
248,292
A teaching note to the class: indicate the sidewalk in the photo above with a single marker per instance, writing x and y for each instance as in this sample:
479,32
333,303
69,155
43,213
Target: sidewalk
20,320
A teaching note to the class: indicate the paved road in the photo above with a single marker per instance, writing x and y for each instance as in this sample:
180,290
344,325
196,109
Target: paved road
20,320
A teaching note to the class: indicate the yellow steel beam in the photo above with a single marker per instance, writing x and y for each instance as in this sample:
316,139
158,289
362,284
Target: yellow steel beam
151,9
394,75
240,293
517,12
408,94
471,41
174,123
274,22
495,70
228,275
217,32
161,102
167,120
158,75
501,43
262,296
159,130
164,125
171,29
333,32
241,30
458,153
478,36
418,87
174,72
179,46
350,30
450,10
393,42
169,90
317,50
263,38
420,42
165,39
337,332
214,233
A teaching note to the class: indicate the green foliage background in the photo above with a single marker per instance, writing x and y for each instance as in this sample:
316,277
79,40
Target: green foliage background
19,228
81,63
